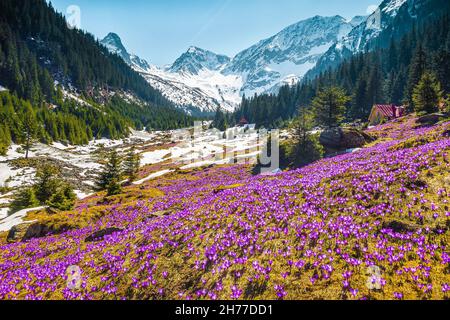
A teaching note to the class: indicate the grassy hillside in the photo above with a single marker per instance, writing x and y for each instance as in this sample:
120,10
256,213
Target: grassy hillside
221,233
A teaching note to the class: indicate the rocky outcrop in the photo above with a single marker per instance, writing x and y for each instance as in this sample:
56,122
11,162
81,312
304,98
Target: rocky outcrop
430,119
27,231
344,138
17,232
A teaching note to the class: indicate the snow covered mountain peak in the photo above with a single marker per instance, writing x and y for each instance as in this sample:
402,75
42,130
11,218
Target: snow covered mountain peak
287,55
200,81
358,39
114,44
196,59
194,82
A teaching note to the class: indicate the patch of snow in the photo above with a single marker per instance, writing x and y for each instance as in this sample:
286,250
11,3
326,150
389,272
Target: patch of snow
60,146
141,135
13,153
3,213
5,173
353,150
15,219
71,96
5,200
153,176
393,6
82,195
198,164
154,157
206,90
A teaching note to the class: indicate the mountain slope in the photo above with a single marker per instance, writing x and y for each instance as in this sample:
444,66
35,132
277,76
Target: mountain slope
323,227
193,82
196,59
200,81
391,20
63,86
380,76
114,45
288,55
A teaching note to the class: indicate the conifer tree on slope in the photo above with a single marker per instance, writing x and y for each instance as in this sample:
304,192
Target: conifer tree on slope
306,147
427,94
110,177
329,106
131,164
29,128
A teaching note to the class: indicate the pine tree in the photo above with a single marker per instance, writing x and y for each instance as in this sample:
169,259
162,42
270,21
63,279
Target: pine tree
416,70
306,148
220,120
359,101
132,164
29,128
447,104
302,125
374,86
5,139
329,106
63,199
47,182
427,94
110,177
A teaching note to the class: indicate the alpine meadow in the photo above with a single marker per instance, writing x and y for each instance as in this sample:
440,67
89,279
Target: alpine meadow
312,163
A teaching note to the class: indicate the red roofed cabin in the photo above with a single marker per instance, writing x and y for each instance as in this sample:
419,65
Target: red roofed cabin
243,122
388,112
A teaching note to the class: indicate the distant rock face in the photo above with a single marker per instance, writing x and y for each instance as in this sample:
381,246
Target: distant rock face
195,60
114,44
288,55
391,20
194,82
200,81
344,138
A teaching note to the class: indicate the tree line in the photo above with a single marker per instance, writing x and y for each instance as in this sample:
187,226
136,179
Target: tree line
36,45
39,55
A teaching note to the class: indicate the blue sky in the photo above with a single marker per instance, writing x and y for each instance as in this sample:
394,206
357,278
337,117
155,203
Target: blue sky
161,30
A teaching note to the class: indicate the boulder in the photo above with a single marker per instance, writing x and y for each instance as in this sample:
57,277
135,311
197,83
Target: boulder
331,137
27,231
101,234
344,138
432,118
17,232
36,230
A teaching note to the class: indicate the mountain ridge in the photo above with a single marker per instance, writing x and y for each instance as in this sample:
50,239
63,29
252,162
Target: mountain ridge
203,80
391,20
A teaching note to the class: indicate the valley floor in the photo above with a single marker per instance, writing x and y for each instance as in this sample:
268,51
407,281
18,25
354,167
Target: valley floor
373,224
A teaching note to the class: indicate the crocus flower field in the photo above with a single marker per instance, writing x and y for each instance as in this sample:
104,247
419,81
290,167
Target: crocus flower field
220,233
